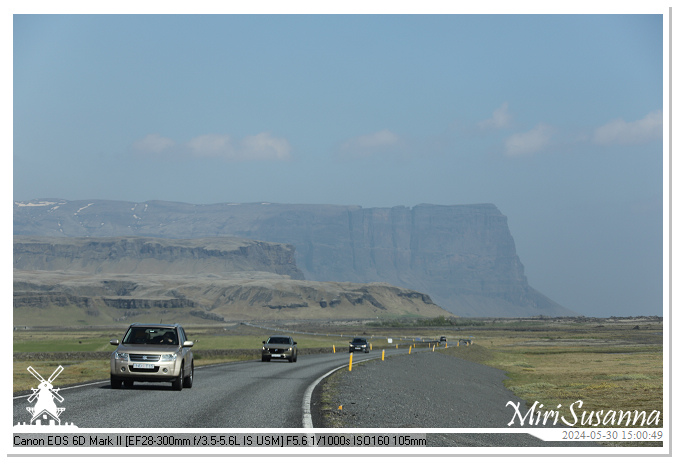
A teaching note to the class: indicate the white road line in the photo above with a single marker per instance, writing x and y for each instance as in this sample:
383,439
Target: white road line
307,422
90,384
97,383
65,388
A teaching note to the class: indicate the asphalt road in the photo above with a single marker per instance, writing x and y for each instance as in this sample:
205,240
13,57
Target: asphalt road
234,395
431,390
424,390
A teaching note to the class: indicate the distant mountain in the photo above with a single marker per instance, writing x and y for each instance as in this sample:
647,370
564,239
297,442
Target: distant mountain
462,256
221,256
50,298
95,281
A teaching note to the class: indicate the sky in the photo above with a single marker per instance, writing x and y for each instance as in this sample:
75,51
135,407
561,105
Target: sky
556,119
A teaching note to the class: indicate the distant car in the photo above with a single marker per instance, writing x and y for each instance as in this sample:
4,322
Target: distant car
153,353
279,347
443,340
359,344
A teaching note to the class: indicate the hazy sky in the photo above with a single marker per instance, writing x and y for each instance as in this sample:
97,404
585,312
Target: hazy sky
557,120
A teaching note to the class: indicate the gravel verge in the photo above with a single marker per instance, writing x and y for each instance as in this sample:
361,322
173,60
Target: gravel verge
425,390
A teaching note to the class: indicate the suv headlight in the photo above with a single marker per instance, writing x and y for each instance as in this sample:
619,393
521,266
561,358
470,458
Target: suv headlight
122,356
168,357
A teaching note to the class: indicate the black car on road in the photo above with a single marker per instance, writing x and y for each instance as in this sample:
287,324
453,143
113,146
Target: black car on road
359,344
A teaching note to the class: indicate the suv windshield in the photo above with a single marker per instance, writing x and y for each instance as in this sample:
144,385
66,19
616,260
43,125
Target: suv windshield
279,340
358,340
151,336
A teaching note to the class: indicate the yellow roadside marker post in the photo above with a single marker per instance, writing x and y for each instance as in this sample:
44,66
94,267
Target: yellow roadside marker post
333,349
410,348
351,358
382,355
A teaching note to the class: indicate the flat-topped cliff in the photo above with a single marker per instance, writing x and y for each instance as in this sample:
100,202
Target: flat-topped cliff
463,256
144,255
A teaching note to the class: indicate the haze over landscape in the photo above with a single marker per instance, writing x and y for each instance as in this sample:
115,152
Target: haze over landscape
556,120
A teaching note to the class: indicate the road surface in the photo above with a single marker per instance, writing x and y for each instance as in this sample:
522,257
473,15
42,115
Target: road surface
233,395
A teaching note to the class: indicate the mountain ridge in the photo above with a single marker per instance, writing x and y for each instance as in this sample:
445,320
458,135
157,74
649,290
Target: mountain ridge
105,280
463,256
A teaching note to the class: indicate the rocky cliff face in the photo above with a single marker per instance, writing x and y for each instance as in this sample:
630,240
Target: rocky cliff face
140,255
48,298
462,256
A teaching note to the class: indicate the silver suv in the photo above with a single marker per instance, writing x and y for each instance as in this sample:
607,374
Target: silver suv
153,353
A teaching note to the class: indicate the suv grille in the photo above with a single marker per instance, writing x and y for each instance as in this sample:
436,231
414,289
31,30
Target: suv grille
145,357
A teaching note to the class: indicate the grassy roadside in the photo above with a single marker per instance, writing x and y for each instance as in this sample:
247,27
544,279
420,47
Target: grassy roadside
616,375
607,368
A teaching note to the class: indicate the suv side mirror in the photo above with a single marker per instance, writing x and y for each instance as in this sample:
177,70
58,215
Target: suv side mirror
294,343
188,344
114,342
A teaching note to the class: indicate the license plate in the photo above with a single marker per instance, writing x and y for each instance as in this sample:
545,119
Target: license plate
143,366
276,355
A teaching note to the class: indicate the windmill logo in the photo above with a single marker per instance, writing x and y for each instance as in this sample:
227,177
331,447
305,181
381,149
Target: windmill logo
45,410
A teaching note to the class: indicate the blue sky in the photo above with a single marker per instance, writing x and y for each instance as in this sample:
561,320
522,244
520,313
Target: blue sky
556,119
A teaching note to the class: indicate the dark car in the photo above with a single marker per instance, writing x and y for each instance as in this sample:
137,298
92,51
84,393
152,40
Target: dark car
153,353
359,344
279,347
443,339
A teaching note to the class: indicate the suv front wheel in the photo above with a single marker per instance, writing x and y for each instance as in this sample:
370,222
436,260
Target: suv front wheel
116,382
178,383
188,381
